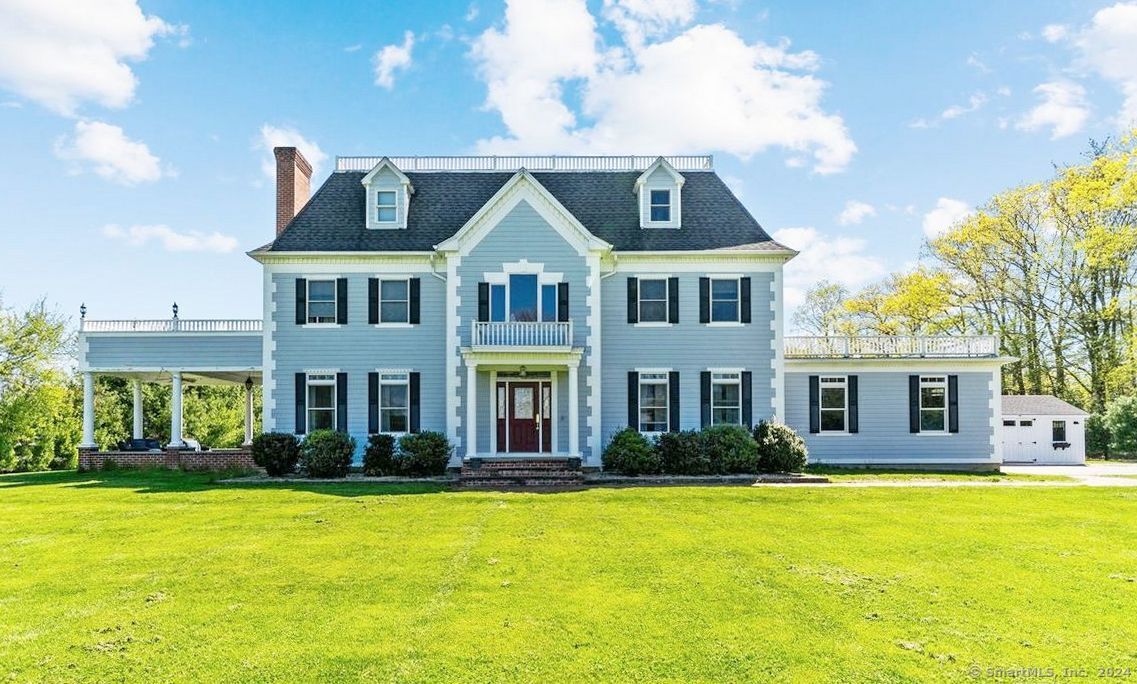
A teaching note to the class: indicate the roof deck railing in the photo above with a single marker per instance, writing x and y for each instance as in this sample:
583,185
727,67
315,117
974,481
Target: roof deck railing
892,346
553,162
167,325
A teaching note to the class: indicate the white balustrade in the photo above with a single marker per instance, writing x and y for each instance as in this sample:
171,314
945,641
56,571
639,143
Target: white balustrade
252,325
691,162
521,334
961,346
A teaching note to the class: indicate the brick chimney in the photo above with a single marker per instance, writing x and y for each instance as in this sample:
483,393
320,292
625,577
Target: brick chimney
293,184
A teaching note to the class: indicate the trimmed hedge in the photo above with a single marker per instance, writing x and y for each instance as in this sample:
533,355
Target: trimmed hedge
326,453
379,456
681,453
276,452
731,449
630,453
718,450
423,454
780,449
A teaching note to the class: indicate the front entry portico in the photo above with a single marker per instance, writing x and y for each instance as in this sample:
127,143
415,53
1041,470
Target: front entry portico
523,415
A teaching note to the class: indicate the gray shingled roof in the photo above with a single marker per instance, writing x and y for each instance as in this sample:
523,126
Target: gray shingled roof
605,202
1038,405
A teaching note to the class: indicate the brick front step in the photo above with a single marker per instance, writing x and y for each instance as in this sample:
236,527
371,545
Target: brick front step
528,472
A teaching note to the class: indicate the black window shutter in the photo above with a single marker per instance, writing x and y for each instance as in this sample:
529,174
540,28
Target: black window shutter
672,300
705,398
704,300
744,299
814,404
372,301
341,301
673,401
415,289
562,302
953,403
341,402
483,302
633,300
634,400
301,301
372,403
747,400
913,403
854,420
301,403
415,413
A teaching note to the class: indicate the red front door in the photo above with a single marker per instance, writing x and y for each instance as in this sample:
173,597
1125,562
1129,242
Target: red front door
524,420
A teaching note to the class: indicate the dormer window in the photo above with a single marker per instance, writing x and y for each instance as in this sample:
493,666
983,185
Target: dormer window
660,206
386,206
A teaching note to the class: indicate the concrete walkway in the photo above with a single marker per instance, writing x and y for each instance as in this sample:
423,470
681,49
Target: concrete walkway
1095,475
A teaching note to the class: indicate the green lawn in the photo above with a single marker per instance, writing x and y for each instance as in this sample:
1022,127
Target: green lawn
165,577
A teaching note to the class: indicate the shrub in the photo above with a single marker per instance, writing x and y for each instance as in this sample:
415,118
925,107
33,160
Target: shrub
681,453
1121,422
1097,436
424,454
780,449
630,453
379,456
326,453
730,449
276,452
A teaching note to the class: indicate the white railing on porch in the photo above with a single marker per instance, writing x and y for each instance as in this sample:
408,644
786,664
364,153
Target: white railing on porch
210,325
963,346
521,334
686,162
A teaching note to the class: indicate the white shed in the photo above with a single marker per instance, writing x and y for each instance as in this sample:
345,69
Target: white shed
1043,429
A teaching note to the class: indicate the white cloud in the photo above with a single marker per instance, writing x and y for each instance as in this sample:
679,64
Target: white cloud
66,52
105,149
854,212
838,259
944,216
974,61
286,136
705,89
472,12
1108,46
974,103
1053,33
393,58
1063,110
356,47
171,240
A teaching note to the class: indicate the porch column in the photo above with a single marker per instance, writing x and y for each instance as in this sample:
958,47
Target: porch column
471,409
88,411
176,411
138,427
248,414
574,411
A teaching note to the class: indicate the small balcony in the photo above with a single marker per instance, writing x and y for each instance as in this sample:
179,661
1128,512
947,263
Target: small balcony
521,335
892,346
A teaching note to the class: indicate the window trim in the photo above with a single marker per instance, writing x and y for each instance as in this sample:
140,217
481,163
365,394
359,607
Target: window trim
320,379
737,381
844,384
737,301
640,298
405,381
934,381
670,206
394,324
1065,436
377,206
664,378
308,303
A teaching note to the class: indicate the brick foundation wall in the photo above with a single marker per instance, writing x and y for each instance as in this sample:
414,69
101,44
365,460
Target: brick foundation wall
220,459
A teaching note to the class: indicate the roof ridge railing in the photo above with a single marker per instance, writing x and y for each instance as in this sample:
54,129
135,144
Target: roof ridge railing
889,346
161,325
551,162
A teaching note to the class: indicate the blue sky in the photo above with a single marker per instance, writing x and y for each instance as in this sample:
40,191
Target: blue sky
135,137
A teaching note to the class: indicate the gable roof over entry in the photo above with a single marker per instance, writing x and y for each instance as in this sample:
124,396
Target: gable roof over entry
603,202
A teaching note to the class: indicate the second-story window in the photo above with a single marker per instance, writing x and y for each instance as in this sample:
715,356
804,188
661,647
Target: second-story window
321,301
653,300
549,302
724,300
660,206
394,301
386,206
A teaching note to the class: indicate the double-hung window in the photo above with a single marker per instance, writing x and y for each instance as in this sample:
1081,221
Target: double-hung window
394,403
654,402
394,301
386,206
659,206
724,300
933,403
653,300
834,405
321,301
549,302
1057,431
321,401
726,398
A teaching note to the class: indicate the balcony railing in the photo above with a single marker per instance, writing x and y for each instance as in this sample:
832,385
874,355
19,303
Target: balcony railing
165,325
886,346
510,334
689,162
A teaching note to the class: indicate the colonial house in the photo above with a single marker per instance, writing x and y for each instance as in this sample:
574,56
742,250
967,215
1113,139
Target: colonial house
531,307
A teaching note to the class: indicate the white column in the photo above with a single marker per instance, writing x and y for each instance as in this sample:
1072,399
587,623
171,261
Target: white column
88,411
138,427
574,411
176,411
248,415
471,409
